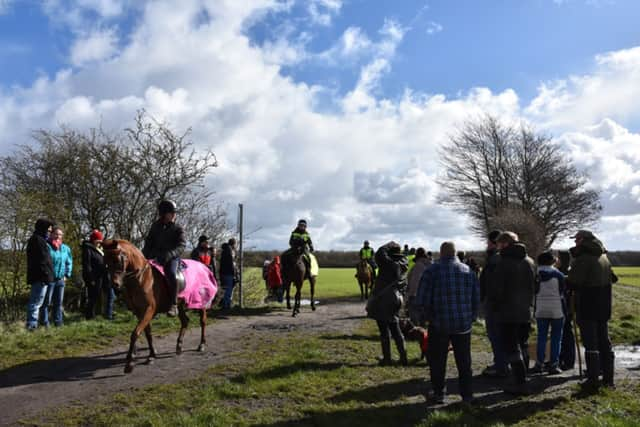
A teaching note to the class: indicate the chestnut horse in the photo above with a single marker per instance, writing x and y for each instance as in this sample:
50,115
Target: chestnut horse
364,274
146,293
295,270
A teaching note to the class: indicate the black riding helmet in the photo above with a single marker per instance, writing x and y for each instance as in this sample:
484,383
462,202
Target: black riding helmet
167,206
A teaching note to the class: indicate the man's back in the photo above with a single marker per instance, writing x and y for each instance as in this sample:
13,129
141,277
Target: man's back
450,295
512,294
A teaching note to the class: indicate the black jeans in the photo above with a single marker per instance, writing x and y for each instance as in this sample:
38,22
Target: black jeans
516,348
438,351
595,335
393,328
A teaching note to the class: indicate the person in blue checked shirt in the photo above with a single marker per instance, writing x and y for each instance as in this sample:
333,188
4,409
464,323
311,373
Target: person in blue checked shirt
449,297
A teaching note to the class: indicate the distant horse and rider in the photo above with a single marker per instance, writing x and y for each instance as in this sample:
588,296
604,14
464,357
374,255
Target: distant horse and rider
298,265
364,275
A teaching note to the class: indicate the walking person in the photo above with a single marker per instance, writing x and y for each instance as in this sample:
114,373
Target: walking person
549,313
95,276
62,261
511,298
386,300
591,277
499,368
228,271
39,269
204,253
449,296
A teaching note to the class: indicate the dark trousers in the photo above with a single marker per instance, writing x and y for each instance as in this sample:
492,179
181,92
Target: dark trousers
170,271
438,351
393,329
493,333
93,293
568,346
595,335
515,337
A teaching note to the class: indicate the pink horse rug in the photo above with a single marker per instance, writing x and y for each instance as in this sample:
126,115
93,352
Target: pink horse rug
200,284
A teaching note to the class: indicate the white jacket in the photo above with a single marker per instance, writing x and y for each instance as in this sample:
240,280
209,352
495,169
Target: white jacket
549,297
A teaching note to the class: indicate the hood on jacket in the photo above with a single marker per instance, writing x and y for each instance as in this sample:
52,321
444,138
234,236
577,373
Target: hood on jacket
516,250
547,272
42,226
589,247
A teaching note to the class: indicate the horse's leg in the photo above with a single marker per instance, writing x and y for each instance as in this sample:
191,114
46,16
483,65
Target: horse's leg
296,300
152,349
287,289
142,324
184,322
312,285
203,324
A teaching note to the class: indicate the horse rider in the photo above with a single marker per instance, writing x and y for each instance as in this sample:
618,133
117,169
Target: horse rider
366,254
165,243
300,234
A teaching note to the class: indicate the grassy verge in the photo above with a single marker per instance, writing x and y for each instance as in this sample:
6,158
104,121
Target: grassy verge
332,380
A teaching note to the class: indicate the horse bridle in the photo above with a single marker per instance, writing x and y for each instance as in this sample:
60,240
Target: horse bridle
126,275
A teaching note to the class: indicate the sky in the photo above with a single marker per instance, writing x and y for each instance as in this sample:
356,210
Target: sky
334,110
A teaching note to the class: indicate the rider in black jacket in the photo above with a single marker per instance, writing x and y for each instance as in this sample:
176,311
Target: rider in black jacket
165,243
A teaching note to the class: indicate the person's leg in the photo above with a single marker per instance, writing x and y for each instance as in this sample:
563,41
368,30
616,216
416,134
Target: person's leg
36,297
543,332
523,343
92,297
462,352
568,347
510,340
170,271
607,356
46,305
110,297
556,342
588,331
396,333
385,342
499,359
438,350
227,282
57,301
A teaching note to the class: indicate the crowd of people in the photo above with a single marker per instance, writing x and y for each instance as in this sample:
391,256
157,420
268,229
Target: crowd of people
511,292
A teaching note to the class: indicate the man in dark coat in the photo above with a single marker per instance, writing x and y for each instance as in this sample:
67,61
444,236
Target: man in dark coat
165,243
385,302
95,276
591,277
499,367
511,298
39,269
228,271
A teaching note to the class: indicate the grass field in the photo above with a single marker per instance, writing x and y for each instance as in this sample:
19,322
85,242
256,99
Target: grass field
628,275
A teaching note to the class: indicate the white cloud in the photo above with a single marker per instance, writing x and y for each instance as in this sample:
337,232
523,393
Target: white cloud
96,46
434,27
4,6
322,11
365,171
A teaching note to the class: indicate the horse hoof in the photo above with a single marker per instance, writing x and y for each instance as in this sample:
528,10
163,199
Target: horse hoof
288,306
128,369
150,360
178,351
201,348
313,307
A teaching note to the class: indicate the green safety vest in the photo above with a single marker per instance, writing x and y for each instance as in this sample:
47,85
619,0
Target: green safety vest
304,236
366,253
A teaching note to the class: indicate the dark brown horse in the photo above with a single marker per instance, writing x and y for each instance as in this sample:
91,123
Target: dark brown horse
146,293
294,269
364,274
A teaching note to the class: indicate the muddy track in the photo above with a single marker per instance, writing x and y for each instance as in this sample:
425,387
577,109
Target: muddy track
30,389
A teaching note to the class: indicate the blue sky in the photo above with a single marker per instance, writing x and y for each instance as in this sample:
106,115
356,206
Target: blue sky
362,91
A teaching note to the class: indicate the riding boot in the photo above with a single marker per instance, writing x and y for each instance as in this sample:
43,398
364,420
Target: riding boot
592,359
608,368
173,309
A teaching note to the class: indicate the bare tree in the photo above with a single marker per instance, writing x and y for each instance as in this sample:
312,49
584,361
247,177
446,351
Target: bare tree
492,170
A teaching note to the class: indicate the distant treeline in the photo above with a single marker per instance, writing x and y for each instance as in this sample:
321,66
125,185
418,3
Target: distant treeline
343,259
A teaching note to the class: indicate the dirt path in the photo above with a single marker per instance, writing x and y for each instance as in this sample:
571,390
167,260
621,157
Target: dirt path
29,389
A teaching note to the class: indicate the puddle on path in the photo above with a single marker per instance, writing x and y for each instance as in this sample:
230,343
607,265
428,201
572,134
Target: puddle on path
627,356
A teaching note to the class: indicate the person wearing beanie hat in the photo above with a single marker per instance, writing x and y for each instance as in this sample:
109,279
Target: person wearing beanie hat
499,367
94,275
300,234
